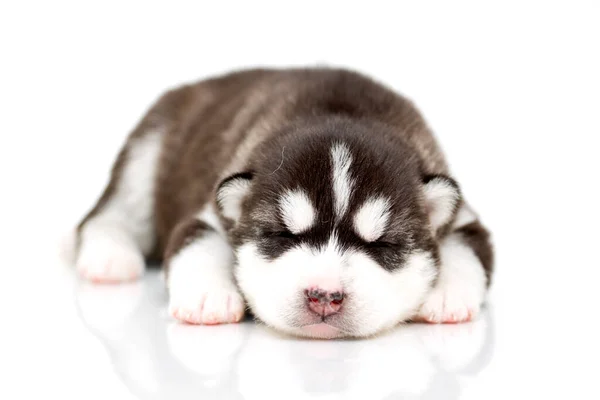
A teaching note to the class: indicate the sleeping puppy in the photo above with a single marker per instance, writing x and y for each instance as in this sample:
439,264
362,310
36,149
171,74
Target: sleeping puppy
319,198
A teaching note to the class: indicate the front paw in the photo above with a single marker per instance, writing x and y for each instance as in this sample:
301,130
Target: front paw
451,302
216,306
457,296
460,289
107,260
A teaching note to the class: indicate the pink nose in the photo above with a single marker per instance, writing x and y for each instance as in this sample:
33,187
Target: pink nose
324,303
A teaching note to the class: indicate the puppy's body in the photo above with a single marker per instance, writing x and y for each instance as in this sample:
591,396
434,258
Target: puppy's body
317,195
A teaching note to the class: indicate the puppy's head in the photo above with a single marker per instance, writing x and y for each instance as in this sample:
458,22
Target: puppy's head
333,228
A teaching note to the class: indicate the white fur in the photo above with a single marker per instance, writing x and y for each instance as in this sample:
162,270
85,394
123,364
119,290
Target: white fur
114,241
377,299
460,290
372,218
67,247
209,215
108,254
297,211
464,216
200,282
441,198
342,182
231,196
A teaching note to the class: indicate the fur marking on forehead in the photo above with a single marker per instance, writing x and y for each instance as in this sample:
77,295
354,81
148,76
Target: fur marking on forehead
297,211
342,183
372,218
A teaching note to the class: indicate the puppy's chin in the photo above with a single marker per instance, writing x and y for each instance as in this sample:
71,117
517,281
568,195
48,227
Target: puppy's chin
320,331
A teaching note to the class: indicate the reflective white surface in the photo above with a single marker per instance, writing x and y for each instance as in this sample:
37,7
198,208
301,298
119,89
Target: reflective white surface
157,357
81,340
511,89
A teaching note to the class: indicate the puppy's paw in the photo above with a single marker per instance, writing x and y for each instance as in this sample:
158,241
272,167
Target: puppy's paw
201,285
450,303
216,306
105,260
461,287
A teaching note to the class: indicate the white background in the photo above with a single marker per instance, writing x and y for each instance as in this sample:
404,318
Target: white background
512,90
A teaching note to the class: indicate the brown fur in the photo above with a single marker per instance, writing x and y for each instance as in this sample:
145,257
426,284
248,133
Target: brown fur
478,237
243,108
213,127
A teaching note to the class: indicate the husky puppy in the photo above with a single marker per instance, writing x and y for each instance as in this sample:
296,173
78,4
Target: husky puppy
317,197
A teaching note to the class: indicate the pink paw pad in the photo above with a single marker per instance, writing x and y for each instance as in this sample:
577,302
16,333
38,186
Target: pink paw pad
107,278
210,309
447,318
457,318
185,316
110,270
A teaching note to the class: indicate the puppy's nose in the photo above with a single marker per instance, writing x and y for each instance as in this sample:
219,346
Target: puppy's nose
324,303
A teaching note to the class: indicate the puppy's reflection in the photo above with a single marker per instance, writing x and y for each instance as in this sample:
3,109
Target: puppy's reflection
154,357
160,358
413,361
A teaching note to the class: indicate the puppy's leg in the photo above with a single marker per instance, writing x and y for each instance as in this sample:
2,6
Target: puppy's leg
199,263
119,232
465,273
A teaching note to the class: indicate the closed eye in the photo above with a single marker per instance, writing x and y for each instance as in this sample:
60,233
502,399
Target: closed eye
283,234
382,244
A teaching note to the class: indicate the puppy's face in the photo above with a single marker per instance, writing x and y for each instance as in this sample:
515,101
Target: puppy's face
334,237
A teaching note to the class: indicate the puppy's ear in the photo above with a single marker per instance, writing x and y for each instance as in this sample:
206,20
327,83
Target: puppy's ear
231,193
442,198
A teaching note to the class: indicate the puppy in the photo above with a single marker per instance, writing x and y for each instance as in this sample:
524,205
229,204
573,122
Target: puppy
317,197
